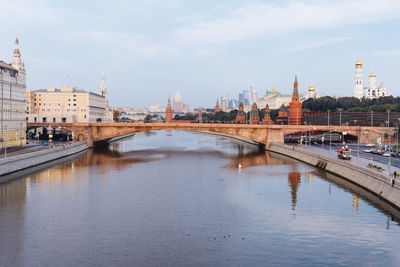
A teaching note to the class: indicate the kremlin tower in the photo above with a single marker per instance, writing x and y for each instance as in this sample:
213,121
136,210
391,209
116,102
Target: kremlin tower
254,115
217,108
358,81
241,115
295,113
282,115
168,112
267,116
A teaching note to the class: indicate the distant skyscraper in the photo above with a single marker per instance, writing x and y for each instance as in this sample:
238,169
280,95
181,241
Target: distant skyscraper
178,103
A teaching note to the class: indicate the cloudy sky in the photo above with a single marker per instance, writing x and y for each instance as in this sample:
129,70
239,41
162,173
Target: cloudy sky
149,49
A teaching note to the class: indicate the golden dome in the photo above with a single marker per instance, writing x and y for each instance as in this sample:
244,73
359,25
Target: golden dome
311,88
358,63
372,75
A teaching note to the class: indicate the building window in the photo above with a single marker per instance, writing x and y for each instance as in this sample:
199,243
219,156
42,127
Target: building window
44,119
54,119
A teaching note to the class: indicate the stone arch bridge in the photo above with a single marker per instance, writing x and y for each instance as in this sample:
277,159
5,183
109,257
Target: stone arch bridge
262,134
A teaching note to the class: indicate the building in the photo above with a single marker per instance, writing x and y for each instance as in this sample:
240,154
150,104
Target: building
67,105
282,115
267,117
217,108
241,115
178,103
131,115
274,99
310,93
295,112
369,91
168,112
103,92
13,90
254,114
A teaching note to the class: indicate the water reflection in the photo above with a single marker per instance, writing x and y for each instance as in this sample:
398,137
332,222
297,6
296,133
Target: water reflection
180,199
294,183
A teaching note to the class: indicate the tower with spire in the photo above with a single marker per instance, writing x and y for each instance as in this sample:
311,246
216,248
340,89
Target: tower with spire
217,108
103,92
254,114
17,61
267,116
295,113
358,80
241,115
12,122
168,112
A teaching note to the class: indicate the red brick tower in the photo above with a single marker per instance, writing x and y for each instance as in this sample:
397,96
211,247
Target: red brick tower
241,115
168,112
295,114
267,116
254,115
282,115
217,108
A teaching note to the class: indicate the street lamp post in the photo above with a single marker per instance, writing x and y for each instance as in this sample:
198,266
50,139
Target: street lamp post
330,132
340,116
358,142
372,118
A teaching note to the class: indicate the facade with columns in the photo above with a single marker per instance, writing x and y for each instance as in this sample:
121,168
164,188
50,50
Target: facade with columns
67,105
370,90
12,101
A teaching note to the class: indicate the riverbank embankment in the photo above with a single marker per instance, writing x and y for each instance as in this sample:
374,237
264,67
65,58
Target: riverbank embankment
27,160
376,183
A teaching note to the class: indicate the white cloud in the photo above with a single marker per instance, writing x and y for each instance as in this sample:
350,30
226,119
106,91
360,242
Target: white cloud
263,20
319,43
395,52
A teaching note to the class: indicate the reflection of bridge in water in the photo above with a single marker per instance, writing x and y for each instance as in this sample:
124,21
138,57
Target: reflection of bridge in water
262,134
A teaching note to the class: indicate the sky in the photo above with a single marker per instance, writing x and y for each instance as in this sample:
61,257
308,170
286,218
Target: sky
149,49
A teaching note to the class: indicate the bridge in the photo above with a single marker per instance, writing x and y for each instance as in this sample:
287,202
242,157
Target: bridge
262,134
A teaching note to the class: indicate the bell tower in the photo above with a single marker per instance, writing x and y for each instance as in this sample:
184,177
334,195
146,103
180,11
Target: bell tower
358,82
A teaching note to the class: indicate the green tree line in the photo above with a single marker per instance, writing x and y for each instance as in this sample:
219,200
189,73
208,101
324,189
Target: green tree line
352,104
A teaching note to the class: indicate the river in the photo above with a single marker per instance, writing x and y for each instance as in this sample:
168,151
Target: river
178,198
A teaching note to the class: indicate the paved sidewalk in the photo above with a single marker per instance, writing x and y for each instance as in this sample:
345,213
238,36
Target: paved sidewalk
15,151
361,162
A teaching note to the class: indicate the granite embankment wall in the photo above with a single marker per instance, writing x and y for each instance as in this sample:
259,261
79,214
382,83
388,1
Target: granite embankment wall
372,181
23,161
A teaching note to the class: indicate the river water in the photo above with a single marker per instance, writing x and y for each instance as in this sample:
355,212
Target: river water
178,198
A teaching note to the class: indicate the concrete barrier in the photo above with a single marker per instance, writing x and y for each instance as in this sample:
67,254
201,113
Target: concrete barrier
372,181
23,161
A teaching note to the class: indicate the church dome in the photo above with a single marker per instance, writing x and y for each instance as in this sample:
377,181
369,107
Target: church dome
372,75
358,64
311,88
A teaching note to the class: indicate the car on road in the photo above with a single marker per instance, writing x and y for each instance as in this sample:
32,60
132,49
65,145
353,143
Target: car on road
370,145
367,150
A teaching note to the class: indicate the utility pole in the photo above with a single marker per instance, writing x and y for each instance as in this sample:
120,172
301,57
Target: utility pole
388,112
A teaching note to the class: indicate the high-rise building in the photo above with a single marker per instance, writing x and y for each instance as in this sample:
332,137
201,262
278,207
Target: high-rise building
295,112
13,88
178,103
